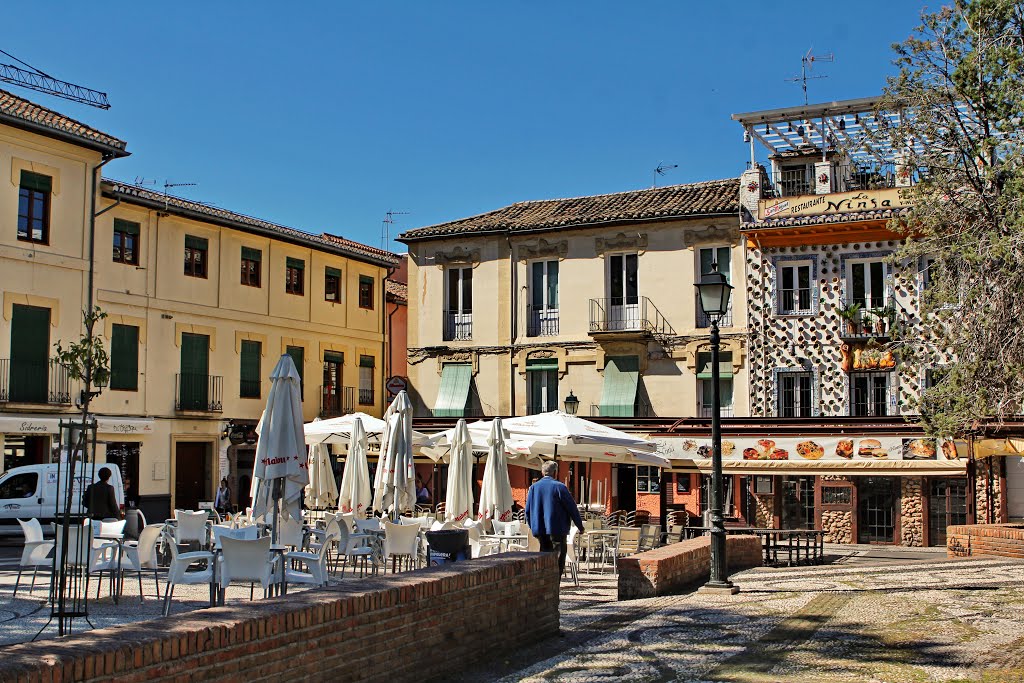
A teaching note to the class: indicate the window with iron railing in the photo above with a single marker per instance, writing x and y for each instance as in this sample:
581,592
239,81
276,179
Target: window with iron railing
795,288
543,310
458,313
869,394
706,406
795,394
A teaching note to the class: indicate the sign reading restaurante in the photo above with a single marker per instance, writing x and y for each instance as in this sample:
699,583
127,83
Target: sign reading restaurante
835,203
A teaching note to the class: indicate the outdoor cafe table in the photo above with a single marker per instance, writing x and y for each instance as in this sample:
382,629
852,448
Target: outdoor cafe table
595,537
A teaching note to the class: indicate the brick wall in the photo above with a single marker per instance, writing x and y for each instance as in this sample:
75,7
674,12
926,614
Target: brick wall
997,540
405,627
670,568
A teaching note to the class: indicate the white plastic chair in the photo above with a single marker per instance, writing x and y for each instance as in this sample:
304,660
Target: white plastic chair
328,536
178,572
315,562
219,531
356,547
368,524
108,529
513,528
401,541
250,561
480,547
85,555
191,527
140,556
572,562
35,554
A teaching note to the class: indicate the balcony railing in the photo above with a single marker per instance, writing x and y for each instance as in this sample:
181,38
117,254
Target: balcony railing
619,314
867,323
201,393
704,320
640,409
541,322
366,397
796,182
708,411
458,326
336,401
44,383
249,388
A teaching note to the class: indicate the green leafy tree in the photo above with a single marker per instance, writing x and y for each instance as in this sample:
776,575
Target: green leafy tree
961,86
86,358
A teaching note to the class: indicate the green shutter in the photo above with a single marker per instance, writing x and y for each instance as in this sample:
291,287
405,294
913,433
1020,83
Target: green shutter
618,394
541,364
249,372
36,181
296,263
124,357
298,353
193,242
194,382
30,348
366,361
334,357
724,365
333,272
250,254
454,390
128,227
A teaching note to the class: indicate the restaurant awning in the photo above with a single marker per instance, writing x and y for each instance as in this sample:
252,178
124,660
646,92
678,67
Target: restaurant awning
454,390
986,448
618,396
896,468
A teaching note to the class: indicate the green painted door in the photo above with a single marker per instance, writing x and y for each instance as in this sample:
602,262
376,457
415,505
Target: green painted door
30,354
193,391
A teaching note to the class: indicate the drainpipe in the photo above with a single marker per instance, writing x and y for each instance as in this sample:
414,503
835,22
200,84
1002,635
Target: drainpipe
514,323
90,302
385,345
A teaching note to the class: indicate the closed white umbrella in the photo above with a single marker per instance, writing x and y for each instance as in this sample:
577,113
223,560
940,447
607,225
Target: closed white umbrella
458,503
395,482
355,493
322,491
496,493
281,468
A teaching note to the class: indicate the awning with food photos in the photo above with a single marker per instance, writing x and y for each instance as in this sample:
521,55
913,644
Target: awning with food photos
847,455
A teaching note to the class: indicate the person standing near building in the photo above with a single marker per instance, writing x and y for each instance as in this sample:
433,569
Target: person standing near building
100,498
223,500
550,509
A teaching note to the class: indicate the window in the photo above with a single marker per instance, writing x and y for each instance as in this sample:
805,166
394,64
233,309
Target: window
19,486
366,292
294,276
196,249
867,283
34,208
458,313
126,242
28,381
331,392
542,385
934,376
794,179
124,357
795,288
707,401
332,284
709,258
298,355
648,479
763,485
869,394
795,397
249,372
927,272
543,318
366,380
682,483
836,495
252,265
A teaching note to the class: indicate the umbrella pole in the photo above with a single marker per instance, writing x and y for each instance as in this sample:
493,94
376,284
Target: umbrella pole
590,484
276,497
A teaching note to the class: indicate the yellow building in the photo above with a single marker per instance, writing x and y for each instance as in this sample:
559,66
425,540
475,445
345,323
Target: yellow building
201,303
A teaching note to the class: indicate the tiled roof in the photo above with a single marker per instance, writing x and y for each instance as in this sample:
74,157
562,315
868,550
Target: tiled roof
675,201
14,109
399,291
853,217
133,194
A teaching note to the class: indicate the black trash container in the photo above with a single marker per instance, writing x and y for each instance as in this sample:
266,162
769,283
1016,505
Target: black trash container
447,545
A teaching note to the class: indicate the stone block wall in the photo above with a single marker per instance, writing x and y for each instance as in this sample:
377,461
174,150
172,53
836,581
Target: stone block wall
405,627
911,511
997,467
985,540
837,525
676,566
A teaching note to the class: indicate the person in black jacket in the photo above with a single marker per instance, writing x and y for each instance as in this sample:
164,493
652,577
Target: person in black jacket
100,499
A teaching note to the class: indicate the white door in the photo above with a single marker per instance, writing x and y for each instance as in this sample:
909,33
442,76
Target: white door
623,292
1015,487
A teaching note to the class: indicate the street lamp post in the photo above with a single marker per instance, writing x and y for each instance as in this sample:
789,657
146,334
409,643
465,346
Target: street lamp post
572,404
714,290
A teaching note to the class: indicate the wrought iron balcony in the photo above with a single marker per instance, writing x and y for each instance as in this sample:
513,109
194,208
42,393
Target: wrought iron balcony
336,401
26,382
704,320
627,317
860,322
197,392
709,411
366,397
541,322
457,326
640,409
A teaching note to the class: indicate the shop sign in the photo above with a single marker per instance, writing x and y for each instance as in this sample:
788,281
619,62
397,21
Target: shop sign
832,448
396,385
28,425
107,425
835,203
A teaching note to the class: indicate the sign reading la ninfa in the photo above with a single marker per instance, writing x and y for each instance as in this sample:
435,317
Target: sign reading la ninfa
839,202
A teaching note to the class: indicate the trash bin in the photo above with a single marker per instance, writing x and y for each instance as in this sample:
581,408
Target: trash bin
447,545
132,523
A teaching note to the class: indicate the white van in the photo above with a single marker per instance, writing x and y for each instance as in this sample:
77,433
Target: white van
34,491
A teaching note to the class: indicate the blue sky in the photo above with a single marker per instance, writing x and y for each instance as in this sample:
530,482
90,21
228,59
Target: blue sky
325,115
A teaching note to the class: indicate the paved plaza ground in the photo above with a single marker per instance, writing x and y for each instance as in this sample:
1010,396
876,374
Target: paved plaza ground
872,614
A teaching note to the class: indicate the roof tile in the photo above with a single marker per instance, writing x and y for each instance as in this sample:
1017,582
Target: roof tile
19,108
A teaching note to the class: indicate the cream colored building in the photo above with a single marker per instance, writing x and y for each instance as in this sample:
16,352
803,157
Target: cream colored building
201,303
513,310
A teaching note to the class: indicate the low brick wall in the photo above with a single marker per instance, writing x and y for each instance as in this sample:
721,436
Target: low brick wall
405,627
997,540
672,567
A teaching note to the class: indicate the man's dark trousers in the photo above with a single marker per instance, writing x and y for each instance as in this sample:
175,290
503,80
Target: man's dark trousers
547,545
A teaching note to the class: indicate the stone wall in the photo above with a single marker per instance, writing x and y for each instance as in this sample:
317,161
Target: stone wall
764,513
911,512
403,627
672,567
837,525
998,512
985,540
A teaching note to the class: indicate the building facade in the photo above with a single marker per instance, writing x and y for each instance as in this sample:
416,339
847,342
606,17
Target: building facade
200,303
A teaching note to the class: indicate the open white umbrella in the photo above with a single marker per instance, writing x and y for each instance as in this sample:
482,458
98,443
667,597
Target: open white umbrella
355,493
458,503
322,491
394,488
496,493
281,468
338,430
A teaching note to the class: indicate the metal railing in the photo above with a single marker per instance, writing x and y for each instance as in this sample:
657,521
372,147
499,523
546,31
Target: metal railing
249,388
704,320
336,401
708,411
869,394
457,326
366,397
43,383
640,409
202,393
795,182
865,322
619,314
541,322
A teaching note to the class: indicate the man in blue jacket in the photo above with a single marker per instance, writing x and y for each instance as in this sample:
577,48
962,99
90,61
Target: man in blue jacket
549,510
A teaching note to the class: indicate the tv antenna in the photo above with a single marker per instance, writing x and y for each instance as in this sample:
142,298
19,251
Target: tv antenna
385,227
806,65
33,78
661,169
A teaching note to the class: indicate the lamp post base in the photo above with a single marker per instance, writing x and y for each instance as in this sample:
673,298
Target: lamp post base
723,588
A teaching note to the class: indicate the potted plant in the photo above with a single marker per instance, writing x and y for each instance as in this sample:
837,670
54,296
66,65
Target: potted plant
851,314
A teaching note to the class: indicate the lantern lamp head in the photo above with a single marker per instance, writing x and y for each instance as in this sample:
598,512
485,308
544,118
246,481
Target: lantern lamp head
714,290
